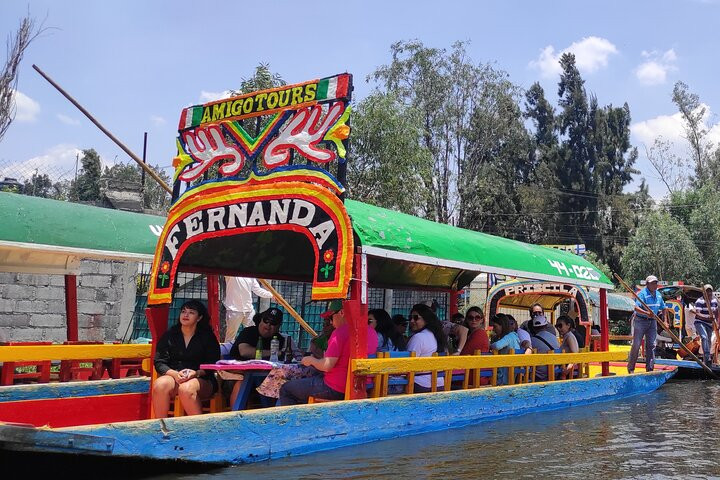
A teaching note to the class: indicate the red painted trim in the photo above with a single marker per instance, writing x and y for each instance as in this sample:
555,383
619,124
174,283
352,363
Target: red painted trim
356,314
71,307
604,329
213,289
67,412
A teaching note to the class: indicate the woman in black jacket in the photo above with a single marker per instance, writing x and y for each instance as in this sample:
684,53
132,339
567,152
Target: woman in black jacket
179,354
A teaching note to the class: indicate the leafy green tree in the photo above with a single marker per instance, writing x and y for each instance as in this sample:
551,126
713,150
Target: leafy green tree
662,247
386,165
440,86
38,186
87,186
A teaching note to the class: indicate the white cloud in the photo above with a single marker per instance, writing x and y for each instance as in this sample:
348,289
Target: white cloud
591,54
67,120
57,162
212,96
654,71
157,120
671,128
26,108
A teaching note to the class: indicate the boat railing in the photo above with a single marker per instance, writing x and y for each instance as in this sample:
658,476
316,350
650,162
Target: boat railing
475,367
114,356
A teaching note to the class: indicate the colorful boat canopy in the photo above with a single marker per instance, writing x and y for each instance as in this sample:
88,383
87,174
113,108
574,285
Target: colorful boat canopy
446,251
615,301
402,250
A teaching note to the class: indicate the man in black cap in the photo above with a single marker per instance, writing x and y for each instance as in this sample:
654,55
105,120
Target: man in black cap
268,326
250,339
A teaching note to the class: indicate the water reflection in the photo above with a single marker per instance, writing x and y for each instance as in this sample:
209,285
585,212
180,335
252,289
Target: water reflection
665,434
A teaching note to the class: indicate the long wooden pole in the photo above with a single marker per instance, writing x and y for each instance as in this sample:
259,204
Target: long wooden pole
662,325
112,137
165,186
288,307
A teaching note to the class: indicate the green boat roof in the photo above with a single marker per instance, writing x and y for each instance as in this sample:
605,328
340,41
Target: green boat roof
402,250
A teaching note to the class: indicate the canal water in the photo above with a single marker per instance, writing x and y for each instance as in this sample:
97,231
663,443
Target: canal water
669,433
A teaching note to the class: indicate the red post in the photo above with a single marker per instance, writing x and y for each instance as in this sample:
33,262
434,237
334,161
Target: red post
213,289
71,307
453,307
356,313
604,330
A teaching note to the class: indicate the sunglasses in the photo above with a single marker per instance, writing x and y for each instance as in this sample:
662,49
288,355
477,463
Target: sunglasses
474,317
270,322
415,317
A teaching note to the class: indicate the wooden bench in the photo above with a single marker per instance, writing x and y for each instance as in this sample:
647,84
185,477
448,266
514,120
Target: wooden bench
8,375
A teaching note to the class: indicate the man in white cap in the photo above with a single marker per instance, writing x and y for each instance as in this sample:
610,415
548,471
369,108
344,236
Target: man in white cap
644,324
704,318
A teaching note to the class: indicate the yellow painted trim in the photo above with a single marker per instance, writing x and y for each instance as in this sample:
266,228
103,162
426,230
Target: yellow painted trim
72,352
423,364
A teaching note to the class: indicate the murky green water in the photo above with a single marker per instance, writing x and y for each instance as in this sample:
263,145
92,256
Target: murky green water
670,433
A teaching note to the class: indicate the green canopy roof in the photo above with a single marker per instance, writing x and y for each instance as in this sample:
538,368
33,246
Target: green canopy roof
41,235
48,236
399,237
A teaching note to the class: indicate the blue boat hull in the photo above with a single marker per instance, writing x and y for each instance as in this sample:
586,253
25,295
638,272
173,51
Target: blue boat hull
255,435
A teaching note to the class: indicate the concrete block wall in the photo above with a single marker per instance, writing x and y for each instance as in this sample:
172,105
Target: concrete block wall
32,306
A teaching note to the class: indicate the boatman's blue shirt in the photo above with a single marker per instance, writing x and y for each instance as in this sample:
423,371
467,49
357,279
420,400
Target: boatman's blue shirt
654,302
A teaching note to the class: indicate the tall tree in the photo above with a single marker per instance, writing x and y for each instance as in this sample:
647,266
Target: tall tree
693,114
16,46
87,186
439,86
38,186
387,165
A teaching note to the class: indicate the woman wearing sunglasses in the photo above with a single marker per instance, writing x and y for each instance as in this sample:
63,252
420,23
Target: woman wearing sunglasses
427,338
565,326
477,338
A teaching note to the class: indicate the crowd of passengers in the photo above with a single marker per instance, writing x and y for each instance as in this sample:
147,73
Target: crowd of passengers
192,342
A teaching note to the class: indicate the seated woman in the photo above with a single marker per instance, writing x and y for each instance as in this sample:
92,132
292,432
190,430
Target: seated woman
247,342
389,339
565,325
477,337
427,338
523,335
178,356
504,340
331,385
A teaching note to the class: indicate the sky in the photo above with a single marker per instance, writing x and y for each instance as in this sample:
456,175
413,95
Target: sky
135,64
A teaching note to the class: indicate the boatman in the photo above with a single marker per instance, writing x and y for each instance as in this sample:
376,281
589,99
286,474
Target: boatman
644,324
704,318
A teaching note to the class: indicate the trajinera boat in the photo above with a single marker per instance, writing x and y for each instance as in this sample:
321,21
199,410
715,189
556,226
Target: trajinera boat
271,205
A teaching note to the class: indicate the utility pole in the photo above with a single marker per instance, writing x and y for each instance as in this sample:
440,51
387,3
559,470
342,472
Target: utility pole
77,159
142,171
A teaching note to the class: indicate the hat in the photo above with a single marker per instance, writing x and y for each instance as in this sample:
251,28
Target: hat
651,278
539,321
333,307
274,315
707,287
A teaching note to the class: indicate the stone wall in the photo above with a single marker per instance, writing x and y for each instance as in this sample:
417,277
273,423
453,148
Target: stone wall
32,306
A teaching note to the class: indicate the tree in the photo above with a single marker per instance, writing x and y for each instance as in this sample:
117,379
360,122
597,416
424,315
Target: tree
671,168
16,46
440,87
87,186
663,247
693,114
387,166
38,186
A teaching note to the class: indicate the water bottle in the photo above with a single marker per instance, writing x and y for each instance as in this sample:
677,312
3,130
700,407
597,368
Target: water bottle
274,349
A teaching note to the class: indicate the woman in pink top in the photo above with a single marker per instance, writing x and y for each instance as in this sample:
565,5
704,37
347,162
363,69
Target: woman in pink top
331,385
